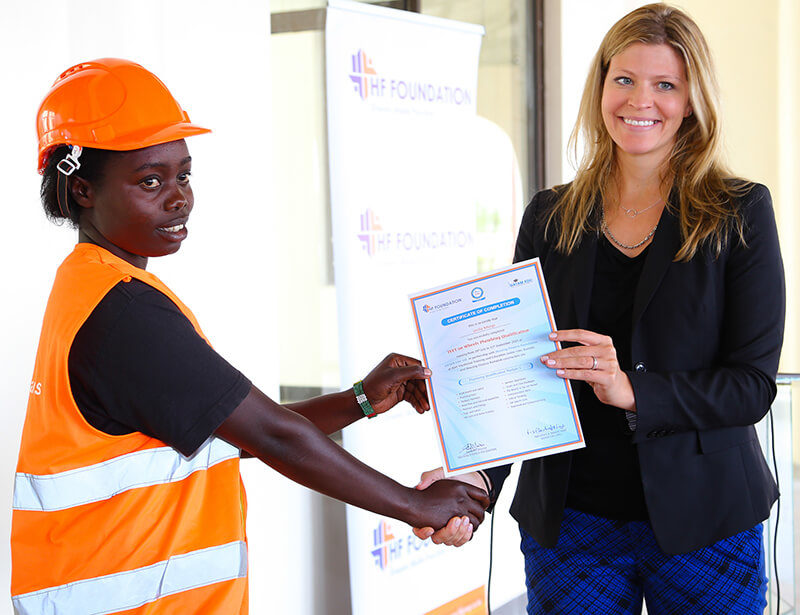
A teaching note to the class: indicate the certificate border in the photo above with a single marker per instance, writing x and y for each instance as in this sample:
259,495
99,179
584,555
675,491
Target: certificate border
536,264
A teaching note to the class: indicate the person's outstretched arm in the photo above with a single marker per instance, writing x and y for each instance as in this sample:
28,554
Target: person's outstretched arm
292,445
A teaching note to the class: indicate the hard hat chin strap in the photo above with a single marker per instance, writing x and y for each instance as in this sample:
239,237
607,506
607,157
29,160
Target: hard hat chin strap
66,167
61,196
70,162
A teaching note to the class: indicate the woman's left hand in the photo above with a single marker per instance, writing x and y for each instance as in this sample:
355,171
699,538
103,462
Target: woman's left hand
594,361
395,379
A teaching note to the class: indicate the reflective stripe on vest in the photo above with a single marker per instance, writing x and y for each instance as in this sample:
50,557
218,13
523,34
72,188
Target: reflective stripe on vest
133,588
104,480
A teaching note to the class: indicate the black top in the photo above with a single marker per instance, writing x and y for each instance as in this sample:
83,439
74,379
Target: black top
705,342
137,364
604,478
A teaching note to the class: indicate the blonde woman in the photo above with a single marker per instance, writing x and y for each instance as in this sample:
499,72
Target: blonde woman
666,279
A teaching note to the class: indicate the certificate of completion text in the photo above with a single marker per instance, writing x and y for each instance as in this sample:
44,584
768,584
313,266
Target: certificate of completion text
493,400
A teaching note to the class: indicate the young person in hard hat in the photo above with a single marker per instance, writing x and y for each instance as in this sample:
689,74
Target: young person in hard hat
127,494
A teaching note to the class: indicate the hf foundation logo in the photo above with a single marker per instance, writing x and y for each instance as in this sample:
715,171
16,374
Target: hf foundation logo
384,542
440,306
393,553
370,231
367,83
376,240
362,72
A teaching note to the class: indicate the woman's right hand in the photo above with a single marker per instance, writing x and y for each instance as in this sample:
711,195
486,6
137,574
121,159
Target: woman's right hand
444,500
458,530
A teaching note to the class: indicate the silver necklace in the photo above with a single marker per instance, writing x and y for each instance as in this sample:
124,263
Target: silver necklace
607,232
632,212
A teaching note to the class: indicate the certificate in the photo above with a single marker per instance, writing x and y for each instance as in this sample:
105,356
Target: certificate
493,401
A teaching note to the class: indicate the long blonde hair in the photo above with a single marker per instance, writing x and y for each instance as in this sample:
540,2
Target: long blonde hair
703,184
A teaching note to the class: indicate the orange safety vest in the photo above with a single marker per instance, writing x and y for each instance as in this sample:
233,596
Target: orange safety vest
113,524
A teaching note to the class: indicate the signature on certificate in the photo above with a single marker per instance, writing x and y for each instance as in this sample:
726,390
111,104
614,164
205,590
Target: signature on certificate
472,447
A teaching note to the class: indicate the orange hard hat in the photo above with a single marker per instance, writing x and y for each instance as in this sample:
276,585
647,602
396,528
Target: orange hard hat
109,104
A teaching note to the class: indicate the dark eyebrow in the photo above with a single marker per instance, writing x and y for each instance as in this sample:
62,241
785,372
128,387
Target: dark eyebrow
161,165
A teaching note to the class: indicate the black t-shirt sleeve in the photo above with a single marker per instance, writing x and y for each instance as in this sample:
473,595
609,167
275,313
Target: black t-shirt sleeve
137,364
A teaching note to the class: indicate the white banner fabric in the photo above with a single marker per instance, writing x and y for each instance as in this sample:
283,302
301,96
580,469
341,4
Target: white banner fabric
401,92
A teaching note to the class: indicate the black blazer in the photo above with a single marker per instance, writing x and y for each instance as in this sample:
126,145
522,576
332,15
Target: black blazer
706,340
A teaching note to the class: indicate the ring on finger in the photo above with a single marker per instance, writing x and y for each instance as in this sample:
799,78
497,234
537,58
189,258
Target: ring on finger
594,362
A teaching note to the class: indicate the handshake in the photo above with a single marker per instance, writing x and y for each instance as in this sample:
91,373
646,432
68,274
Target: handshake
465,500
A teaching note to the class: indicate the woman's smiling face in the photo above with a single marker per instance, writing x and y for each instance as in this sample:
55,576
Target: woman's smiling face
140,206
645,99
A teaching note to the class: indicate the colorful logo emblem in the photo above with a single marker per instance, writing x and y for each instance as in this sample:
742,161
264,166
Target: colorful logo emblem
427,308
369,226
382,539
361,73
477,294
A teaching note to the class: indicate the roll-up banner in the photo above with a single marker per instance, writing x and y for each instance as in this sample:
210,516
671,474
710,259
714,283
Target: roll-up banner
403,140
